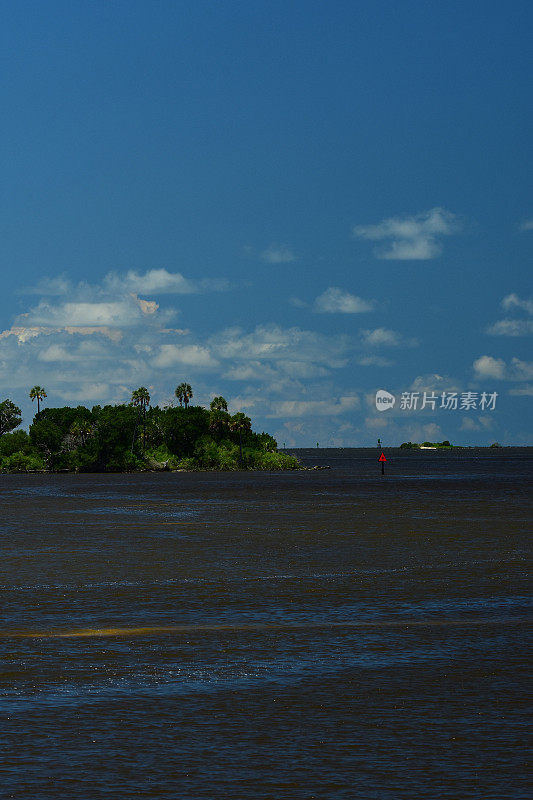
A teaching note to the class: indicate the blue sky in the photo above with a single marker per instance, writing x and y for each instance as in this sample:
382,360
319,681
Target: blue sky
290,204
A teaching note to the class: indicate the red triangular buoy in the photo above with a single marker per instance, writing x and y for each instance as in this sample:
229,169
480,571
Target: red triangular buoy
382,457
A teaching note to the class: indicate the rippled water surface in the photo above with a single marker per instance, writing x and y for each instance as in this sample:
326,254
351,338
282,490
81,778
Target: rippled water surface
327,634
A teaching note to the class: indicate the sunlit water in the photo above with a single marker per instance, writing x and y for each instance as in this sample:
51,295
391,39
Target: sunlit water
333,634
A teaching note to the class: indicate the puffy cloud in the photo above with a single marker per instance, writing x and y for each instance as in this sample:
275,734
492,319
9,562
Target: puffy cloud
153,281
527,225
192,355
517,370
335,301
303,408
410,238
511,327
123,313
513,301
277,254
489,367
289,351
159,281
383,337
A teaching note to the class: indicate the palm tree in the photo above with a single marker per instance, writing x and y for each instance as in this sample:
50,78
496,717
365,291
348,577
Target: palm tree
218,404
179,393
240,423
141,398
37,393
183,393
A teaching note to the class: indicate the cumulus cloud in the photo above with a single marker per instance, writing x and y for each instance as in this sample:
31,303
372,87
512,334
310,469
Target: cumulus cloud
283,347
513,301
384,337
338,301
415,237
159,281
511,327
516,370
434,383
111,314
192,355
277,254
489,367
153,281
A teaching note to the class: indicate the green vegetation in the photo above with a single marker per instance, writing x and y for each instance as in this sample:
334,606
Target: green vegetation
135,436
445,445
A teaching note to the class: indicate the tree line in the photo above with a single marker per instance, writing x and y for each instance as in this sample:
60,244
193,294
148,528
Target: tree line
135,436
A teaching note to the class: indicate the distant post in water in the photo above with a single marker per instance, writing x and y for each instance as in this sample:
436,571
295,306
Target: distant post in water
382,459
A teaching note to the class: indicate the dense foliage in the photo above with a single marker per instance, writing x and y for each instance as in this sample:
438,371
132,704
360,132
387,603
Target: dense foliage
135,437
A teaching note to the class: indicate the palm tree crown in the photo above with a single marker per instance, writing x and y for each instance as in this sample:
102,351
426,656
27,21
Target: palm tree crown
218,404
183,393
37,393
141,397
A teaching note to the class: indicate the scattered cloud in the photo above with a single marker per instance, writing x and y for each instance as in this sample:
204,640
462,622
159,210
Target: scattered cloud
513,301
292,351
516,370
338,301
527,225
511,327
153,281
297,303
192,355
489,367
159,281
111,314
415,237
277,254
434,383
383,337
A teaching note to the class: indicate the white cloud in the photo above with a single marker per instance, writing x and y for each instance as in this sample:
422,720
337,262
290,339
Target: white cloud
521,370
277,254
192,355
273,408
384,337
434,383
159,281
112,314
513,301
153,281
511,327
489,367
338,301
303,408
517,370
410,238
527,225
297,303
280,347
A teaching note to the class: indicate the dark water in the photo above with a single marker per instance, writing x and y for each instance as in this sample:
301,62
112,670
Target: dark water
332,634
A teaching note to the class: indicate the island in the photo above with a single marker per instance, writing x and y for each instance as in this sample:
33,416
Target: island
136,436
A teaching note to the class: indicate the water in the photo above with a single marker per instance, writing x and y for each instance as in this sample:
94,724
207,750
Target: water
331,634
